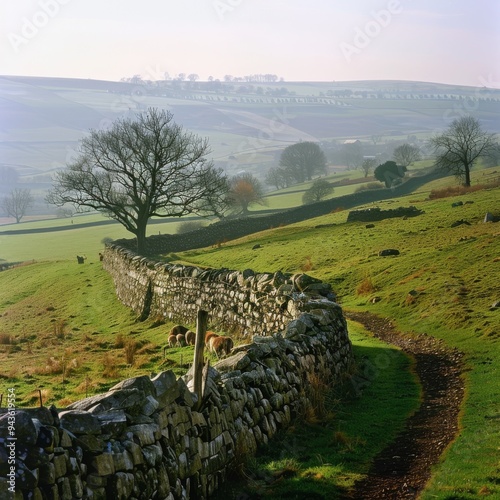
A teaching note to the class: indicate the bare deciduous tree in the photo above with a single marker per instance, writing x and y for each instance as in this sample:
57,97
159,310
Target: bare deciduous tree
368,165
16,204
461,146
278,177
141,168
406,154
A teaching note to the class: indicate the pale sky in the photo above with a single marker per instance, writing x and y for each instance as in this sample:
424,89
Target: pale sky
445,41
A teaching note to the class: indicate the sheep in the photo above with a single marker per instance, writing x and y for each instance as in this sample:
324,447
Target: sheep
220,344
178,329
190,337
172,340
208,336
181,339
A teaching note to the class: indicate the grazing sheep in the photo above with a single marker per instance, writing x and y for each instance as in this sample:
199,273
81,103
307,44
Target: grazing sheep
190,337
181,339
178,329
172,340
208,336
220,345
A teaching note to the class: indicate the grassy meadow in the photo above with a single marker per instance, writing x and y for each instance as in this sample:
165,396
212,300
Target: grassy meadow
63,332
443,284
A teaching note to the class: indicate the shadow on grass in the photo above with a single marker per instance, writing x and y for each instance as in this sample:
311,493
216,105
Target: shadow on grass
323,458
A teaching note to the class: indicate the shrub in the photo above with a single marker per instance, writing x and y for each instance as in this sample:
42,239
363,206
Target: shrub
120,341
5,339
448,191
188,226
59,329
369,187
366,287
130,349
307,265
318,388
110,366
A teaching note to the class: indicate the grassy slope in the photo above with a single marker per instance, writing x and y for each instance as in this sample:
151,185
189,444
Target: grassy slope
68,333
455,284
453,276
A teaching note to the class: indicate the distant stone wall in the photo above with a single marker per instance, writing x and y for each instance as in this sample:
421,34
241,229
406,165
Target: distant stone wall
231,229
153,438
248,302
376,213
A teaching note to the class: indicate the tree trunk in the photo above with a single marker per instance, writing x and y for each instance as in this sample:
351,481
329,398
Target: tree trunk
140,236
467,176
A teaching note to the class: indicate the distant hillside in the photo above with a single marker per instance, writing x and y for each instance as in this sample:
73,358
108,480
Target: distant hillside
248,123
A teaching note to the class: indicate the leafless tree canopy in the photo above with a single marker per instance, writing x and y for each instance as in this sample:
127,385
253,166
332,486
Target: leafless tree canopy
461,145
368,165
17,203
406,154
142,168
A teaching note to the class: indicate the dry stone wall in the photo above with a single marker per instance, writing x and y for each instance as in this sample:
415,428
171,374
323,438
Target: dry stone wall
251,303
154,437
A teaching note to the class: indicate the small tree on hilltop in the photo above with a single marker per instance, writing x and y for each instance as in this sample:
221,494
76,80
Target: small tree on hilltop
320,189
390,173
461,146
141,168
16,204
245,190
303,160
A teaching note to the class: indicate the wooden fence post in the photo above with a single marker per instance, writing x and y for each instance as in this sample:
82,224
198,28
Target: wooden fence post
201,329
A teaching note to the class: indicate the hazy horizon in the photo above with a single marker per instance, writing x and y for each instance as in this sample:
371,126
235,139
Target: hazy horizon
455,43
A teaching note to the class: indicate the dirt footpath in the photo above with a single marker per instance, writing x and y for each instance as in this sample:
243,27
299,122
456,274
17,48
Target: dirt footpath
402,469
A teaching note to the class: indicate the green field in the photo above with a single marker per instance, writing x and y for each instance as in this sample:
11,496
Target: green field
63,332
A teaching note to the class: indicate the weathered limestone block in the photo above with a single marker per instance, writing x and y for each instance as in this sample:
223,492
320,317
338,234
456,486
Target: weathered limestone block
121,486
145,434
186,396
152,455
129,400
238,361
103,464
90,443
112,421
26,431
167,390
135,452
60,466
163,488
47,473
80,422
150,405
76,486
64,487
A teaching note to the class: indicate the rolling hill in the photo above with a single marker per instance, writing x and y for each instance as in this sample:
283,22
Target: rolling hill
248,124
